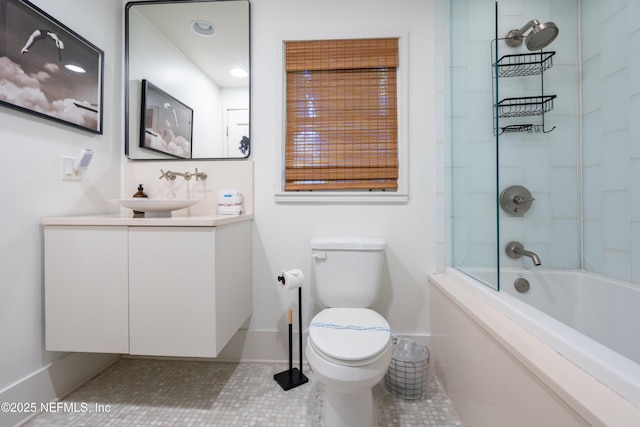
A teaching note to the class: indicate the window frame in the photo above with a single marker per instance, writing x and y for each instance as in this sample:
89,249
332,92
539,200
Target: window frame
401,195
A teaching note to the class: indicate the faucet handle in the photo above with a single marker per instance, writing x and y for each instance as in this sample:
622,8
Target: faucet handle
200,175
524,199
168,175
516,200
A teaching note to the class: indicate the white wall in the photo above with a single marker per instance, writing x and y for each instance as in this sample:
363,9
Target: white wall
282,231
31,189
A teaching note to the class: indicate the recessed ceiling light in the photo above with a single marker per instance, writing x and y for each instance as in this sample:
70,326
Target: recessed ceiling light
203,28
75,68
238,72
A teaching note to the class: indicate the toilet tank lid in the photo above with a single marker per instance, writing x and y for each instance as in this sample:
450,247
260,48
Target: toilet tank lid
361,243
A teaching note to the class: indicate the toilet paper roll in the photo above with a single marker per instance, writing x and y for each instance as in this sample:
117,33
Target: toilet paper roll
291,278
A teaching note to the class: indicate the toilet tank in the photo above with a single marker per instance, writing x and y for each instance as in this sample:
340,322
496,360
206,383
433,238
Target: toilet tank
347,270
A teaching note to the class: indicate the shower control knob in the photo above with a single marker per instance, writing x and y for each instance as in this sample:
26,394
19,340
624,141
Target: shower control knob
516,200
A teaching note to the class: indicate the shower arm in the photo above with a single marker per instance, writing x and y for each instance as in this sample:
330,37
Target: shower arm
514,37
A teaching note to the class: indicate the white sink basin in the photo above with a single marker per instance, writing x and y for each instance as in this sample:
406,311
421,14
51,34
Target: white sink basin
157,208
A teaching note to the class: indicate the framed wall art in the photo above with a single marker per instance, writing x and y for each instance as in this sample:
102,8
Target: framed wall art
166,123
48,70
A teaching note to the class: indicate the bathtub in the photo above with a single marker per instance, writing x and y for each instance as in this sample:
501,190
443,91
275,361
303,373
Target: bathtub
599,317
577,333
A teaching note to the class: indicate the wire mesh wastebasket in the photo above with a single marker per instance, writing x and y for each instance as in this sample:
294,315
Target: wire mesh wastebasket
409,372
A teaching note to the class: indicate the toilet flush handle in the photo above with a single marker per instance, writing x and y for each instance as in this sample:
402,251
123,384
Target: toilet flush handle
319,255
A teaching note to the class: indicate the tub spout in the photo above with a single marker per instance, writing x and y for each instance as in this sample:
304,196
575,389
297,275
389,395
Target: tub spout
516,250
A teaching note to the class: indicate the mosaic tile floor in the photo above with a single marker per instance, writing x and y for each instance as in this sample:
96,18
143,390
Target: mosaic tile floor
144,392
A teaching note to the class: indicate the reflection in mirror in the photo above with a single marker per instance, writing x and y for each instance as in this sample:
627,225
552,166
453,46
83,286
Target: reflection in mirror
166,122
197,52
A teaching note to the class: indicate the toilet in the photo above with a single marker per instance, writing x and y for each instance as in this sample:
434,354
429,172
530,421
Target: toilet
349,345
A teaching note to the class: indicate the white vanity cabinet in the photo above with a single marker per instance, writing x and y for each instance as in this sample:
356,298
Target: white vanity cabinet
147,289
86,289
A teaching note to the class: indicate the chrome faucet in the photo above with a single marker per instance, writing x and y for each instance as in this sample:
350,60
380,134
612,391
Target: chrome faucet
516,250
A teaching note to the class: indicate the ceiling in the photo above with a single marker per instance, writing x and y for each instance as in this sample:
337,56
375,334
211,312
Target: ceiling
216,55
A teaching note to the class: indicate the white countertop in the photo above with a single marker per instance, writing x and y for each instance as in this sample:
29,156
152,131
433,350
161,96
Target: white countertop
129,220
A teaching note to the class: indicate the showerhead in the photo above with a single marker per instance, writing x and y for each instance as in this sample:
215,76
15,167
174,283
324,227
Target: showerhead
541,35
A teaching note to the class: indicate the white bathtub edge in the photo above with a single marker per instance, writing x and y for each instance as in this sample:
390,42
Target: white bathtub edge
594,401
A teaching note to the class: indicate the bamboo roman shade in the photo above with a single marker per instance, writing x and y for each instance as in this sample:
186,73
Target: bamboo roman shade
342,124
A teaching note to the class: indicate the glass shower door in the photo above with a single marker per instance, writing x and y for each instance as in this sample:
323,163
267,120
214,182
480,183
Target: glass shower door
474,145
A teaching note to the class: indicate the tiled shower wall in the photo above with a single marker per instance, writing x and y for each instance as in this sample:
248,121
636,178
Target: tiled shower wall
545,163
585,174
585,177
611,137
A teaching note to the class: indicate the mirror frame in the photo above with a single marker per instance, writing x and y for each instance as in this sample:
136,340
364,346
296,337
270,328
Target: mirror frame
127,88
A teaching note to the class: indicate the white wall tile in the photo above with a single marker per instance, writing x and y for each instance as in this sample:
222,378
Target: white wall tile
564,252
591,84
592,199
616,221
634,126
615,161
609,8
617,264
564,198
592,245
614,41
634,194
635,254
634,58
537,164
564,142
590,19
615,115
633,11
591,139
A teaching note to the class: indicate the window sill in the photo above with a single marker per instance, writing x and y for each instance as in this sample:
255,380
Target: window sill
348,197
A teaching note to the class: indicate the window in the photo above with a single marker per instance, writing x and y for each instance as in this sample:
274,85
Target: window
341,115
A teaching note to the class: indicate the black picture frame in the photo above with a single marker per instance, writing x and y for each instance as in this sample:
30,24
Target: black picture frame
38,55
166,124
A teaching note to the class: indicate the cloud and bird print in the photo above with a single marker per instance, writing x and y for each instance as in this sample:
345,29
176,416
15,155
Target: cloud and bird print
47,69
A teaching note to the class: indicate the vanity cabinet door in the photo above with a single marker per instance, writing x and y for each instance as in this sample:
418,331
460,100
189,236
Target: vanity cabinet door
172,291
86,289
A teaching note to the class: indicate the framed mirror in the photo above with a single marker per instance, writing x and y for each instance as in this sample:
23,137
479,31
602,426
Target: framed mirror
197,53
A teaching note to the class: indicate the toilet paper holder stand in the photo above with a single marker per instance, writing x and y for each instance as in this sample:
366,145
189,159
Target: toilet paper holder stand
292,377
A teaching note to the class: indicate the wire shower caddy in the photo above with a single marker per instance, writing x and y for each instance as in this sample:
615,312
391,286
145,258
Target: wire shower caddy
523,65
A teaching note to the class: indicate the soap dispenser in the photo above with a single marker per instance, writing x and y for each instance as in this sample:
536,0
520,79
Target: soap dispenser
139,193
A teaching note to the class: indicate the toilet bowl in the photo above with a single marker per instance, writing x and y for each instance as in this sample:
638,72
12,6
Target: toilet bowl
349,344
349,351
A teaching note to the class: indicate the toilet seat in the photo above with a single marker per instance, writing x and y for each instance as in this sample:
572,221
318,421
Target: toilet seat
349,336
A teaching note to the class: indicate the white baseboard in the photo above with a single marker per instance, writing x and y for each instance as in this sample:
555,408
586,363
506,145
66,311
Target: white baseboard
51,383
261,346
